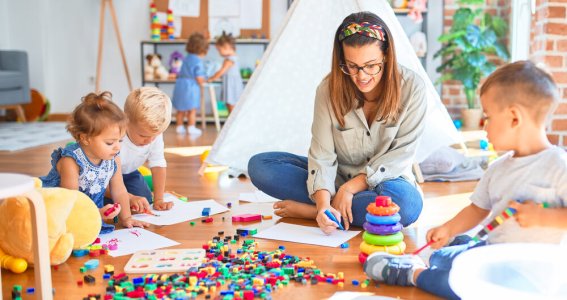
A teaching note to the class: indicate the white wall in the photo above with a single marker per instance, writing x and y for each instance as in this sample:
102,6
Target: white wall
4,29
61,39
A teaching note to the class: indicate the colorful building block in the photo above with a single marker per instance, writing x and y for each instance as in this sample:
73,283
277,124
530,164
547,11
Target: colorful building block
206,212
246,218
92,264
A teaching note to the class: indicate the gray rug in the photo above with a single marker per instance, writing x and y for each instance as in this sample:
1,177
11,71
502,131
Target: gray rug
18,136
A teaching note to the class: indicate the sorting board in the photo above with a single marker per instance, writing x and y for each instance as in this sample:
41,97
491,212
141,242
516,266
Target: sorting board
164,261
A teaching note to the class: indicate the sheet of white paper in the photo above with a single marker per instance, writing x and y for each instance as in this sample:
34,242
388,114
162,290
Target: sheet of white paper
224,8
257,197
251,14
181,211
185,8
305,235
227,24
356,296
135,239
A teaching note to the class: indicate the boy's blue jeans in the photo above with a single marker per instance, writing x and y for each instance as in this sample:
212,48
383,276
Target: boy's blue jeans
284,176
136,185
435,279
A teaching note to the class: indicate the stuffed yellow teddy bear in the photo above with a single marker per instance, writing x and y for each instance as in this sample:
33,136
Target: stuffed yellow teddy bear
73,222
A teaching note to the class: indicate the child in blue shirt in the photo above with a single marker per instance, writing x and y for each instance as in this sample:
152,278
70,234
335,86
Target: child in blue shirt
230,71
189,84
92,164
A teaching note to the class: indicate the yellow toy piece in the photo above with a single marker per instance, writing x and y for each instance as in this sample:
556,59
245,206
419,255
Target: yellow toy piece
14,264
204,155
73,222
396,249
145,171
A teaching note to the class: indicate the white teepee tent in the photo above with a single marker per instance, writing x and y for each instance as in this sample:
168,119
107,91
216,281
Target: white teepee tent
275,110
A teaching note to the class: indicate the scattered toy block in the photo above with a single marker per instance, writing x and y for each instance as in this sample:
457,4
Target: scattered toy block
206,212
92,264
207,220
246,218
108,269
267,217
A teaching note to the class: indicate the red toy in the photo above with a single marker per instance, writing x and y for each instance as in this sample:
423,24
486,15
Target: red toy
246,218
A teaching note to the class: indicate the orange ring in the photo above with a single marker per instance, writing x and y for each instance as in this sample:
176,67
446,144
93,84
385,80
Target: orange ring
383,210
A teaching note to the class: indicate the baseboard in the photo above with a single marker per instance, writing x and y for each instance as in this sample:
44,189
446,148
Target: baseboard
57,117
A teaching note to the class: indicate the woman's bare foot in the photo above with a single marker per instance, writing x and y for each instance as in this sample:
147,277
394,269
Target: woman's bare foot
294,209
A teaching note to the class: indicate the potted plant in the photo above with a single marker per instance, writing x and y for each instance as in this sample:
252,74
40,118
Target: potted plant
474,34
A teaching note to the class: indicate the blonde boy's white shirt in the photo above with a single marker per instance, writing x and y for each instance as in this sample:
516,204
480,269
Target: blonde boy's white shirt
541,177
133,157
378,150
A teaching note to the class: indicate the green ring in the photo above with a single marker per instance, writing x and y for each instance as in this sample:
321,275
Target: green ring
383,240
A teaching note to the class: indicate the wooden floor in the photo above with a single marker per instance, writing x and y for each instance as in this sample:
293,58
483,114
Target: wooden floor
182,154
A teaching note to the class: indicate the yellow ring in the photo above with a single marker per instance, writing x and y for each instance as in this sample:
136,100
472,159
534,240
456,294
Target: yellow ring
396,249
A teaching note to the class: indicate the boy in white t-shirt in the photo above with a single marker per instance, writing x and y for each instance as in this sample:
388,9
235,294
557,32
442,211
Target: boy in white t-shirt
149,114
517,99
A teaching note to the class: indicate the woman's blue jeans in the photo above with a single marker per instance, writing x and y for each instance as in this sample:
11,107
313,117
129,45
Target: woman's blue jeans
284,176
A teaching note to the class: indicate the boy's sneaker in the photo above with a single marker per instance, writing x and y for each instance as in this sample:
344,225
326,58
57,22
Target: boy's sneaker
392,269
194,130
180,129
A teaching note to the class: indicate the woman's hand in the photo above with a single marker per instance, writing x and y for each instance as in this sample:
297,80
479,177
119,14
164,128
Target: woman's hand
129,223
109,211
439,236
159,204
327,225
342,202
139,204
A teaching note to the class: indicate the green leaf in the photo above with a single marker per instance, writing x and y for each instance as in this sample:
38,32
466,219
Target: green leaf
476,59
463,44
471,2
462,18
501,51
444,77
474,36
444,38
499,26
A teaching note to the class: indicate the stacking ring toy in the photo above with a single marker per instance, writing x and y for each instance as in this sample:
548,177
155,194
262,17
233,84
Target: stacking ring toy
385,240
382,210
382,229
383,220
362,257
397,249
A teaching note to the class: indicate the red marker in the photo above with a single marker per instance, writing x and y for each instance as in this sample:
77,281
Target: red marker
421,249
111,210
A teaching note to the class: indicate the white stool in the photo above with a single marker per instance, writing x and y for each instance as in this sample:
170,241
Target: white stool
213,98
12,185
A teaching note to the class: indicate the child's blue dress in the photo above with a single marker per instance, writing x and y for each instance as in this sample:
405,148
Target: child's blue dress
93,179
232,82
187,92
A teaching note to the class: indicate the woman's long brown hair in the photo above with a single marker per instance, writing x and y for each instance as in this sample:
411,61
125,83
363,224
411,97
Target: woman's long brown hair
345,96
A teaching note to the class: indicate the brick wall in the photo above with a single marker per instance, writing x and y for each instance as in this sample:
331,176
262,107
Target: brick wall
453,95
549,50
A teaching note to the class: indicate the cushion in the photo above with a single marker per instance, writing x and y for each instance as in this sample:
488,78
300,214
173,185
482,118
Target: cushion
11,80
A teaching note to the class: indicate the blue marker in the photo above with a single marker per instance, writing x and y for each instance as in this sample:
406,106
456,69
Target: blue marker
332,217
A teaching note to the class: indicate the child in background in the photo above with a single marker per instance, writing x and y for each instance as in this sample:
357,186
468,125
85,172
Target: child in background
91,164
189,84
149,114
516,99
230,71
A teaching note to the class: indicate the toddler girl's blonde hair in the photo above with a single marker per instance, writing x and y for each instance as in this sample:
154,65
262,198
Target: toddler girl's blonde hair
150,107
96,112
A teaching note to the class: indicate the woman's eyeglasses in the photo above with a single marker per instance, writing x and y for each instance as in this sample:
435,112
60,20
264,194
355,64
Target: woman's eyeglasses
370,69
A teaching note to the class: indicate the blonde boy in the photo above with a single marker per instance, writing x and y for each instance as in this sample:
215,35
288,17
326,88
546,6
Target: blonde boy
517,99
149,114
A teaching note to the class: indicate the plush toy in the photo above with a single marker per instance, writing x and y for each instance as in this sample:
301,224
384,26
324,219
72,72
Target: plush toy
154,69
73,222
175,63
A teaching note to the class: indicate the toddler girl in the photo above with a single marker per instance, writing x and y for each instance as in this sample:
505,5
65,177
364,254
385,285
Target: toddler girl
189,84
230,71
92,163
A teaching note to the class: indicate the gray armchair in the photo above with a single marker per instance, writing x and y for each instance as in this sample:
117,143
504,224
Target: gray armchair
14,81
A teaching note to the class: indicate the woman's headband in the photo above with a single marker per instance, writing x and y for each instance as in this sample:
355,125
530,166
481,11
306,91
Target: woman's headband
364,28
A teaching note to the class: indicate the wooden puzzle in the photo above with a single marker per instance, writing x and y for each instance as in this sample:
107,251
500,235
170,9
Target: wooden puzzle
164,261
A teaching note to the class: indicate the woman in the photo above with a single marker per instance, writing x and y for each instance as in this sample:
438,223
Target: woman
369,114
